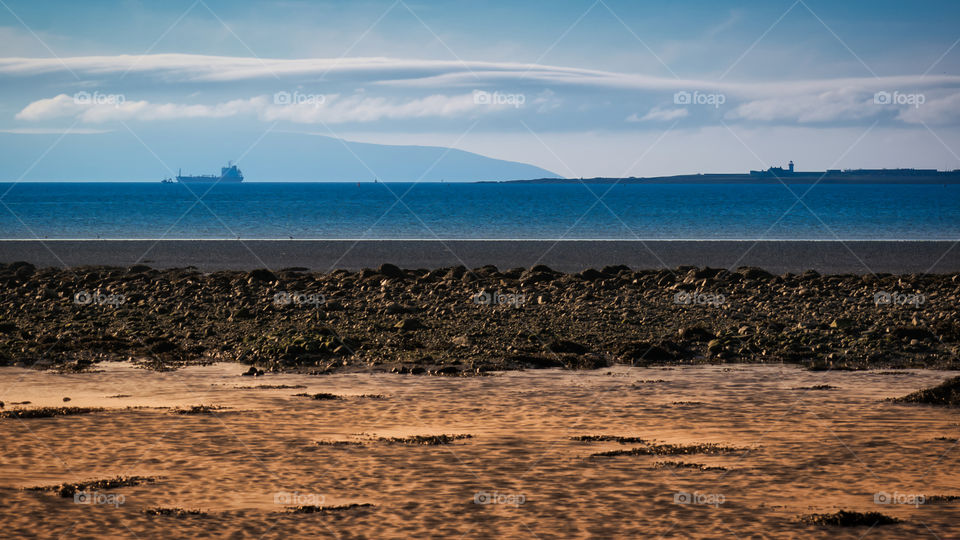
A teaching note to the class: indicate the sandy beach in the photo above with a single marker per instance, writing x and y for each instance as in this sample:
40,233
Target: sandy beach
789,443
834,257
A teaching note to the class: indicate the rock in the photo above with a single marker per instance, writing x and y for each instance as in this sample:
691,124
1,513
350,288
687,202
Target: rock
591,274
242,313
541,269
261,274
138,269
946,394
696,333
913,332
160,346
534,362
252,372
462,341
391,271
447,371
715,346
845,518
647,352
586,361
564,346
394,308
408,325
750,272
66,399
22,270
530,279
456,273
614,270
843,324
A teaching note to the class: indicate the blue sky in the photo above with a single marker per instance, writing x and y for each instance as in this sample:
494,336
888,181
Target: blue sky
581,88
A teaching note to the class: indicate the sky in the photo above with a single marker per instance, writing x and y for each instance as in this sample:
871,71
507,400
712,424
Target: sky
578,88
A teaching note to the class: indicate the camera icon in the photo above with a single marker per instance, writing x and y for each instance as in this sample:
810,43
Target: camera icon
481,497
883,98
682,497
683,298
682,98
82,98
483,298
82,497
282,299
881,497
282,98
882,298
481,98
82,298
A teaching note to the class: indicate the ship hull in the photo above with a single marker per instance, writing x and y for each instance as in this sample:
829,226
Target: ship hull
207,180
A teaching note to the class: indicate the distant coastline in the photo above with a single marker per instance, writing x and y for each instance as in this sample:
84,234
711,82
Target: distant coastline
775,175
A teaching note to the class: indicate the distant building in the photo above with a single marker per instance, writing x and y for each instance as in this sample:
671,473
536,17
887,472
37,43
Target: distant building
775,171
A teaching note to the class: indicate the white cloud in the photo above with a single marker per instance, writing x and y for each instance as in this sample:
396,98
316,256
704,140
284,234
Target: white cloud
115,107
831,106
314,109
438,89
943,110
174,68
658,114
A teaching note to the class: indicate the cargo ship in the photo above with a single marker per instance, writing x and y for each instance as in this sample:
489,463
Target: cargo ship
229,174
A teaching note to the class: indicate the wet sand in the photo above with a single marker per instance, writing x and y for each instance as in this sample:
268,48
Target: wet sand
803,451
860,257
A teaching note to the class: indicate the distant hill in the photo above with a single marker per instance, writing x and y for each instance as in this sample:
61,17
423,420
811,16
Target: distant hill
281,156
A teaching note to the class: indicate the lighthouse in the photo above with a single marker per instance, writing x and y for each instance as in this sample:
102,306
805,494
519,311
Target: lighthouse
790,166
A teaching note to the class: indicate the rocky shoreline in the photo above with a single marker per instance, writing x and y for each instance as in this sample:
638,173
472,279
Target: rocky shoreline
457,321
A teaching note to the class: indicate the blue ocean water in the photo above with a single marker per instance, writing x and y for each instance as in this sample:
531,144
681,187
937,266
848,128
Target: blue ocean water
478,211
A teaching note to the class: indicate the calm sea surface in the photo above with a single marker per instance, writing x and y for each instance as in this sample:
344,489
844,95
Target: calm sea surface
478,211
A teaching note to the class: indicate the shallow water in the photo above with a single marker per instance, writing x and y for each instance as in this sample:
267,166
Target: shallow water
810,451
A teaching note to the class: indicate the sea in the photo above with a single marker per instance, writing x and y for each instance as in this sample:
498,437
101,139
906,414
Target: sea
301,210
